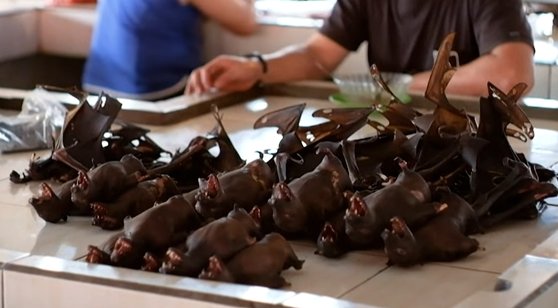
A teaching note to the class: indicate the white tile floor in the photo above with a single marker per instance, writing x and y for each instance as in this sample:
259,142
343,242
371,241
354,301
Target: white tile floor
360,277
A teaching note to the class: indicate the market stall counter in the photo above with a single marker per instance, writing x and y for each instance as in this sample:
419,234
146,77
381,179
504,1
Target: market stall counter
516,265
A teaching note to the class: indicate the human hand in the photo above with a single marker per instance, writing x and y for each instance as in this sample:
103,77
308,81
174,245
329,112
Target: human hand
225,73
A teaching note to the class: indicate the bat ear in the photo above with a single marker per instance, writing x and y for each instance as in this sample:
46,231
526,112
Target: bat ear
285,119
240,213
441,75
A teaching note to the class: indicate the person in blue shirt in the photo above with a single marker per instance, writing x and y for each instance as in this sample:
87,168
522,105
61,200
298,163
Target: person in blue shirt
145,49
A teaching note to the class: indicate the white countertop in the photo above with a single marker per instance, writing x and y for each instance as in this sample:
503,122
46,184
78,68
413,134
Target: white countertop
360,277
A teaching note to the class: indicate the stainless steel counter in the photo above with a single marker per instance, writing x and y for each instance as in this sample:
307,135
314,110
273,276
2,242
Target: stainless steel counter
45,258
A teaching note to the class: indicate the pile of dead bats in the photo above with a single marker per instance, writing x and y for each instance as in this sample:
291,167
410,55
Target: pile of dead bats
418,188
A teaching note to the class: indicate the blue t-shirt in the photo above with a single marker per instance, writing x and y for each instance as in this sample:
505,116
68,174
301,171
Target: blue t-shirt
143,49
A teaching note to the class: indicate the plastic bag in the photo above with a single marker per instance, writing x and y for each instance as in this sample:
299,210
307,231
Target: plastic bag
36,126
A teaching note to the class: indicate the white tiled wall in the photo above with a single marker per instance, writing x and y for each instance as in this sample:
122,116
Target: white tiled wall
18,34
553,84
542,80
66,31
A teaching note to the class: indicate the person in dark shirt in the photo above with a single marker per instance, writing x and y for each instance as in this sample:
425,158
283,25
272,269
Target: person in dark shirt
493,43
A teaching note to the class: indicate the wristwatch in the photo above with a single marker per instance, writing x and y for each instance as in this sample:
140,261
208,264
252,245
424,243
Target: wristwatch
260,59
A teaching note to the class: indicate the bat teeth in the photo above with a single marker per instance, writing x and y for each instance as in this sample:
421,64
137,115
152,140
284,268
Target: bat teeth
167,267
215,264
106,222
46,191
357,207
82,180
173,257
98,208
94,254
150,263
209,188
122,246
148,257
98,220
214,268
283,192
212,185
256,214
440,207
402,163
398,226
328,233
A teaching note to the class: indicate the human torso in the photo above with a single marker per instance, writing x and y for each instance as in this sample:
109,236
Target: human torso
403,34
142,46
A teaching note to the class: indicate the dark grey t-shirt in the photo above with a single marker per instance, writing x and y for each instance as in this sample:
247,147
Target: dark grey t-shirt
402,34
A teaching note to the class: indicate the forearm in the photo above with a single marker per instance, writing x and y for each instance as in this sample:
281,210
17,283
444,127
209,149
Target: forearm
505,67
315,59
241,17
237,16
291,64
472,79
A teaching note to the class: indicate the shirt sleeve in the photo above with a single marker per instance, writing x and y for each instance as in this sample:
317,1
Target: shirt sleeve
347,24
500,21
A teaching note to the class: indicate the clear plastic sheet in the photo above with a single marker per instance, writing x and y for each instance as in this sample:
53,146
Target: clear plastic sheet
36,126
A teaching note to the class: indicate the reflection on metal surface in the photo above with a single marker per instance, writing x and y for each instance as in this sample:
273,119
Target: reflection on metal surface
51,264
540,102
252,292
257,105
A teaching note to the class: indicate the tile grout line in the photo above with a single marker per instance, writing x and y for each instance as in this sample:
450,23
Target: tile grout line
363,282
466,268
434,263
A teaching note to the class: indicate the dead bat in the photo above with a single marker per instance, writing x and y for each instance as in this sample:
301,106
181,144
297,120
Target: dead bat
408,197
162,226
84,127
223,238
333,242
53,205
259,264
134,201
303,205
107,181
443,238
244,187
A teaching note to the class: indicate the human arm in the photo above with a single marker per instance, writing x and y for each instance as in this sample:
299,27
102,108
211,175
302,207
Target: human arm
70,2
237,16
312,60
504,66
